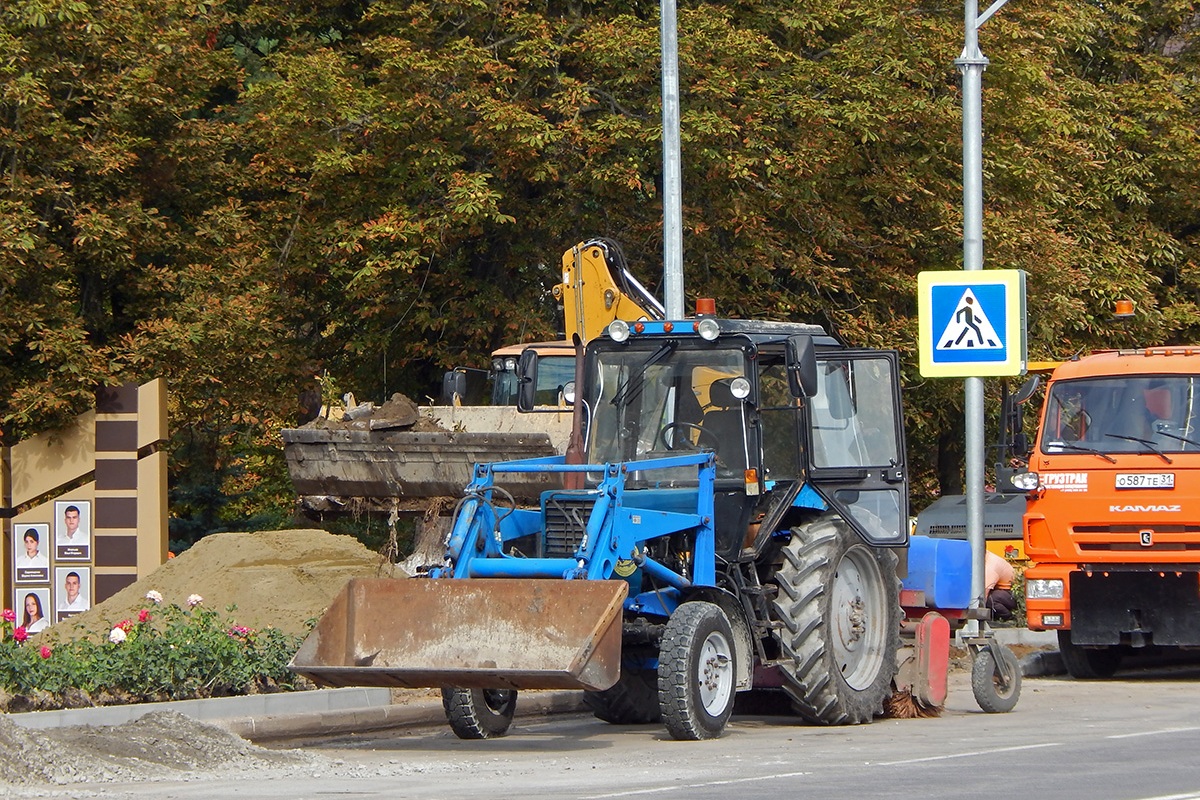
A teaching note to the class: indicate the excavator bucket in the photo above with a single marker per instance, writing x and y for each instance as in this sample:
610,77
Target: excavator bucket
469,633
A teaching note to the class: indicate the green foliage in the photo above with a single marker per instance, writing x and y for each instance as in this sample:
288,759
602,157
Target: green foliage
167,653
240,197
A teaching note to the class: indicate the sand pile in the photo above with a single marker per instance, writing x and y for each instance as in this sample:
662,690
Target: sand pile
276,579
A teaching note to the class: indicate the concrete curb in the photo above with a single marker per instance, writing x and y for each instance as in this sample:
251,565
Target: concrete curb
425,713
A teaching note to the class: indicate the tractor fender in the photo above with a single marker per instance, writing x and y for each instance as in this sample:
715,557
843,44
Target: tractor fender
743,644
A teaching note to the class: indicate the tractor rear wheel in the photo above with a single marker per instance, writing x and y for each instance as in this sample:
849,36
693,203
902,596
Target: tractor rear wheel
1087,663
697,672
479,713
632,700
839,605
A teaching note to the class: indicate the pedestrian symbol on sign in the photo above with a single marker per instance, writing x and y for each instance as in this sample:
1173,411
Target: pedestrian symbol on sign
969,328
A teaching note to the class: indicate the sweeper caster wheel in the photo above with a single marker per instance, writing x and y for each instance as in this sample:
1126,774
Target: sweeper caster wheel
996,678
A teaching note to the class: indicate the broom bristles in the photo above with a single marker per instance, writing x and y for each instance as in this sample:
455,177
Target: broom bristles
902,705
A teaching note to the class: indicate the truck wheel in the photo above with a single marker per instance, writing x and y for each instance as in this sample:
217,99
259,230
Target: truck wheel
993,693
479,713
839,605
696,672
632,700
1085,663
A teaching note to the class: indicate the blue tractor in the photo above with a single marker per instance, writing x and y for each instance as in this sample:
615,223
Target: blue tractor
732,518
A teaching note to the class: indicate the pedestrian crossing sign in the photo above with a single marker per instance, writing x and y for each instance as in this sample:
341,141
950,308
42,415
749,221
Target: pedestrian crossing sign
972,323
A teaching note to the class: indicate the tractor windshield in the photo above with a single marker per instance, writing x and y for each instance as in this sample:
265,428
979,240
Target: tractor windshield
665,398
1129,414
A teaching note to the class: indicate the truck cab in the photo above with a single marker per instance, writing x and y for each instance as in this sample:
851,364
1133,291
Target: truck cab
1112,522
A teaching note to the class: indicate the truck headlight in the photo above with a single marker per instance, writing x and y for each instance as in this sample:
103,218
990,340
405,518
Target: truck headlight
1025,481
1044,589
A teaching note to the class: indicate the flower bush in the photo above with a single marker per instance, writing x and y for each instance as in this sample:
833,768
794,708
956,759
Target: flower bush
172,653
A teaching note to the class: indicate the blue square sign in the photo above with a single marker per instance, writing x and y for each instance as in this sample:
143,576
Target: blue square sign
972,323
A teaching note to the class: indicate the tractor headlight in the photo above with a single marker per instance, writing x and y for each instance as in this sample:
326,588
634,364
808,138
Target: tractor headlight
618,330
1025,481
1044,589
708,329
739,388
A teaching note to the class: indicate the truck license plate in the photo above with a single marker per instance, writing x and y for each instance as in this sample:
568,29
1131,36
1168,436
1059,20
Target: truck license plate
1146,480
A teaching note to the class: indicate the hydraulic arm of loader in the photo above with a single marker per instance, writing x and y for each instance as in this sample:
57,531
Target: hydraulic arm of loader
491,619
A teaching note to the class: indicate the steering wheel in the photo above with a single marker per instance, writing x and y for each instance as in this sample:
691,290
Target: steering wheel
702,436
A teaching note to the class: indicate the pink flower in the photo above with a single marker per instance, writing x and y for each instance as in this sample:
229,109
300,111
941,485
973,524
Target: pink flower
125,625
194,600
144,615
240,632
20,634
46,651
9,615
116,636
154,597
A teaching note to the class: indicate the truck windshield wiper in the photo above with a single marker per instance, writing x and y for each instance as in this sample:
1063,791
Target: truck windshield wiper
1153,447
638,380
1179,438
1078,448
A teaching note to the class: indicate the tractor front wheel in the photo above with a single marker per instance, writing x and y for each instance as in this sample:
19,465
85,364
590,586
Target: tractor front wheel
696,672
479,713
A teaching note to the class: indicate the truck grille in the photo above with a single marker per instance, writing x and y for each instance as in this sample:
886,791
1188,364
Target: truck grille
1127,537
566,517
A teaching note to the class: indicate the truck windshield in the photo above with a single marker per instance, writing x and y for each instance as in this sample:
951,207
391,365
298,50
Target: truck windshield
663,399
1127,414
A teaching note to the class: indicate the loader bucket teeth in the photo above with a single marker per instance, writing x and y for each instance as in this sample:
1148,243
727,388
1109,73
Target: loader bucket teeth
481,633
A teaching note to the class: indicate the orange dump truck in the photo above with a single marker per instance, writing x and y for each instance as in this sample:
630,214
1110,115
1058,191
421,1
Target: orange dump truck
1112,522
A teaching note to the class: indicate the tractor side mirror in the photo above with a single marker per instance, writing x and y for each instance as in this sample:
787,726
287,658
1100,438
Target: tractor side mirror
801,366
527,380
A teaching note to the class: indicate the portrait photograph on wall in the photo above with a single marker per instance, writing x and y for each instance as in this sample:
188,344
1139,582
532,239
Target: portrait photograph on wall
33,608
73,587
31,559
72,530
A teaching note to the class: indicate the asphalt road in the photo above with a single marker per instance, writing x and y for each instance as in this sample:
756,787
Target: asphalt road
1135,738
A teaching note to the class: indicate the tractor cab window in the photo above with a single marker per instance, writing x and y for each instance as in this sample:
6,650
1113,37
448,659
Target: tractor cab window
853,415
1130,414
663,399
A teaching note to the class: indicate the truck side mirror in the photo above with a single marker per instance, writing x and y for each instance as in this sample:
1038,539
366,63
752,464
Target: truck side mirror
1027,389
801,366
527,380
454,387
1020,444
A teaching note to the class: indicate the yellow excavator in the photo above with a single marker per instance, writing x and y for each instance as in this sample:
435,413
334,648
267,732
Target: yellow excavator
388,461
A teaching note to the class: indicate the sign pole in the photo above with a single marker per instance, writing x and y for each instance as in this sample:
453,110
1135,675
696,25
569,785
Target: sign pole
972,64
672,167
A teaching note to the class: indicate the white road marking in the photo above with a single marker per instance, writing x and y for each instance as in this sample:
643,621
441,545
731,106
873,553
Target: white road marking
680,786
969,754
1154,733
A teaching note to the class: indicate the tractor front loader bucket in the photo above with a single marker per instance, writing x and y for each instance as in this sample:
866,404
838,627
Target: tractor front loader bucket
469,633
